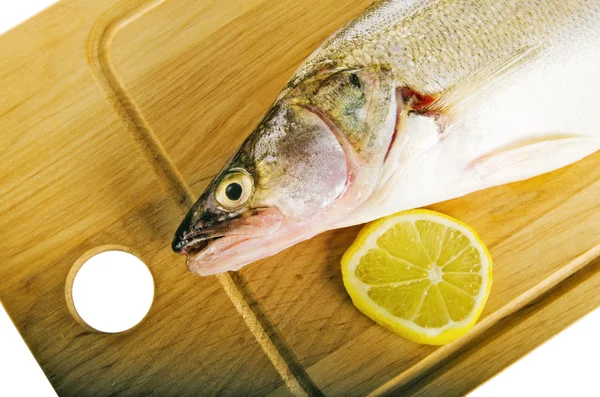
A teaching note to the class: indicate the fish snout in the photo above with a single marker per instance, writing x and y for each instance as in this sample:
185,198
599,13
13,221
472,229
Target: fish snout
187,236
182,237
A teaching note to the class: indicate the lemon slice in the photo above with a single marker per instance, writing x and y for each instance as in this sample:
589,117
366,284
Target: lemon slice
421,274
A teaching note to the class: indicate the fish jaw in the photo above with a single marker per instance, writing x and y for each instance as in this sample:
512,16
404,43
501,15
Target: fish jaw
231,253
193,240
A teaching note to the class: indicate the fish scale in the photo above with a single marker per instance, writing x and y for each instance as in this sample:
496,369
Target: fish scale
432,45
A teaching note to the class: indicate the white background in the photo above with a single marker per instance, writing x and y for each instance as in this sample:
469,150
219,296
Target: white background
567,365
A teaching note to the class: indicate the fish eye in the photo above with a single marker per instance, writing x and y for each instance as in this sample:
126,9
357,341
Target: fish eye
234,190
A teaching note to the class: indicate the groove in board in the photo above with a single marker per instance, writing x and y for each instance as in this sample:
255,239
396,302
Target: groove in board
73,180
488,355
251,311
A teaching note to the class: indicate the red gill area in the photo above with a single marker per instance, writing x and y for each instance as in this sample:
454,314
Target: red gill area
410,100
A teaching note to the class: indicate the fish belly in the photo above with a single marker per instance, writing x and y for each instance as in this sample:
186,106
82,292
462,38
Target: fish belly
544,117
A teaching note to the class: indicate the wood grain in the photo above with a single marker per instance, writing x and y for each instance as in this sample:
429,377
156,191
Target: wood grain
115,121
73,179
501,345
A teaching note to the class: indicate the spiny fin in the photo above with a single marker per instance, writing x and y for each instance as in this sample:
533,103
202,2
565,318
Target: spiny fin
529,160
459,99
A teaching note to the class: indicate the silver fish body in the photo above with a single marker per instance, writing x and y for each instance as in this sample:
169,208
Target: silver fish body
412,103
433,44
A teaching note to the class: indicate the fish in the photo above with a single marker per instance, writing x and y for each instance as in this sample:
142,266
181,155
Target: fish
412,103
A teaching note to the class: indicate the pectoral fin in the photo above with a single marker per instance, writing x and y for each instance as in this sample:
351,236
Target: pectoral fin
529,160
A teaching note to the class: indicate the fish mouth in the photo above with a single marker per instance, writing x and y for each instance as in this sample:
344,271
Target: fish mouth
231,253
205,253
220,254
195,243
230,245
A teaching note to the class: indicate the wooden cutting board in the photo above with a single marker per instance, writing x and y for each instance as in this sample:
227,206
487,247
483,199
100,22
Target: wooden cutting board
114,116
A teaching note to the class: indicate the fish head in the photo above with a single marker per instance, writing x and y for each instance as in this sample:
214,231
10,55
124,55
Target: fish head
269,196
286,182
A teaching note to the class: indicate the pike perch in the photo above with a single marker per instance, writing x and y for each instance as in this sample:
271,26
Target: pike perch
412,103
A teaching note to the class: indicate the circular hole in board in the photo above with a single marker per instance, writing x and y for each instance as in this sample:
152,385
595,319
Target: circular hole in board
110,290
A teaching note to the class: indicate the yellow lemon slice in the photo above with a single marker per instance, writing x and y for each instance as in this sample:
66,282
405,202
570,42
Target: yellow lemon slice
421,274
